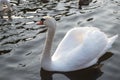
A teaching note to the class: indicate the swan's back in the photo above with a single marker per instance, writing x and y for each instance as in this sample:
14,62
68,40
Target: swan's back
80,48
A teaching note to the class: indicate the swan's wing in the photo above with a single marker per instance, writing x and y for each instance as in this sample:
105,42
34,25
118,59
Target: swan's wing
78,40
72,39
81,47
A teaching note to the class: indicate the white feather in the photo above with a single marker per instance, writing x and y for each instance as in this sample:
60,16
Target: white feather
80,48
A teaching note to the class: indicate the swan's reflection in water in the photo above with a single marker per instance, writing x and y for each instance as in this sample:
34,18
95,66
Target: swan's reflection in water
91,73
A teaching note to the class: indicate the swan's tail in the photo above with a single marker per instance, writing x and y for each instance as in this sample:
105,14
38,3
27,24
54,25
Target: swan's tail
111,41
109,45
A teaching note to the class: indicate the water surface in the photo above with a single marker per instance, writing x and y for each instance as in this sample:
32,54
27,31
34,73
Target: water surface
22,41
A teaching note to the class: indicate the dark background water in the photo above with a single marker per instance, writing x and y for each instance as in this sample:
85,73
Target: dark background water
22,41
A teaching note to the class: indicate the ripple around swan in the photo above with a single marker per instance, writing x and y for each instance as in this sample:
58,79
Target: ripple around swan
22,41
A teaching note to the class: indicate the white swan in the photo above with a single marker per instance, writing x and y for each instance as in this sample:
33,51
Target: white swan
80,48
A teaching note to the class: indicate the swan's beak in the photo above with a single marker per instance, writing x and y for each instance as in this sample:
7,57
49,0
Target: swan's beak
39,23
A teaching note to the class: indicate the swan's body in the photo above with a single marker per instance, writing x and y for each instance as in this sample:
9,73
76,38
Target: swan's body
80,48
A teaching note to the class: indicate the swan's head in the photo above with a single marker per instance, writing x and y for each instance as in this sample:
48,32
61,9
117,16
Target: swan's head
48,21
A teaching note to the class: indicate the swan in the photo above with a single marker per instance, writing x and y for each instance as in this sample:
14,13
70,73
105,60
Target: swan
80,48
7,9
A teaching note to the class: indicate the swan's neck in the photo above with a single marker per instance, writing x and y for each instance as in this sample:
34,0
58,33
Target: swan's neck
46,58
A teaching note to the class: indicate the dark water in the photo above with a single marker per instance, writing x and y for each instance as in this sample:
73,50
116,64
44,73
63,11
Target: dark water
22,41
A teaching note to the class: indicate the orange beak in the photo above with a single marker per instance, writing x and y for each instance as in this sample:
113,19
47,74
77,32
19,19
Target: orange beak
39,23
